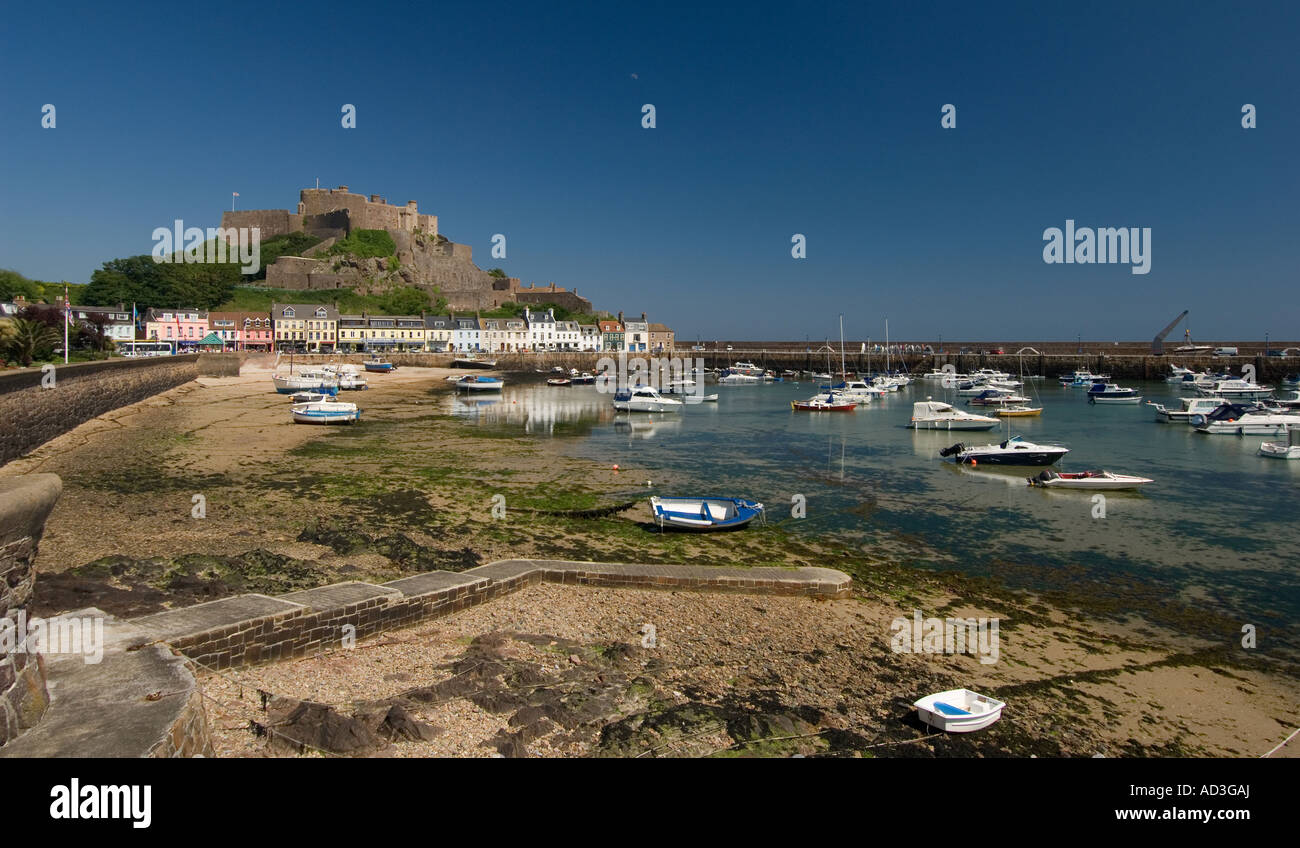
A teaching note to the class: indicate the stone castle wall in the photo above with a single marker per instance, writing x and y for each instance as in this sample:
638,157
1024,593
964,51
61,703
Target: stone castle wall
269,222
25,503
31,414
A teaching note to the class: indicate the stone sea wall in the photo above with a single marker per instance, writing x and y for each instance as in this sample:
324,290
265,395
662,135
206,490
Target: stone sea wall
25,503
36,405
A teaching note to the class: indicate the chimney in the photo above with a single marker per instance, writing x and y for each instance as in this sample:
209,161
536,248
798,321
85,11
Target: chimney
643,317
620,316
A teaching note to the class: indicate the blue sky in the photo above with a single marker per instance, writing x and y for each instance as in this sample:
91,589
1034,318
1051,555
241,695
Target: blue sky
772,119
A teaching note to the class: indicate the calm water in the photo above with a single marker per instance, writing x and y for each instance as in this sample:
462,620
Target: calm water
1217,528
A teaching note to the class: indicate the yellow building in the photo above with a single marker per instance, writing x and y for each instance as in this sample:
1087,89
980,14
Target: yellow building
305,327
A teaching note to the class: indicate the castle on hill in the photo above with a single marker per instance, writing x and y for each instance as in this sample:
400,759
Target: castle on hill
426,259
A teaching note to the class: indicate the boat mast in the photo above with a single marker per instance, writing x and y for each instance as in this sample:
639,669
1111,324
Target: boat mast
887,367
843,375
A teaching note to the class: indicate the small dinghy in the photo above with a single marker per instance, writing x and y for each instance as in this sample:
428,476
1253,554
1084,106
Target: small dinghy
1289,449
475,383
959,710
326,412
1019,411
1087,480
313,397
352,382
690,399
828,403
704,514
559,381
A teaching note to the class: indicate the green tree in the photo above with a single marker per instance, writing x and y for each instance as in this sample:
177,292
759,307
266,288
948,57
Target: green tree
13,284
24,340
406,300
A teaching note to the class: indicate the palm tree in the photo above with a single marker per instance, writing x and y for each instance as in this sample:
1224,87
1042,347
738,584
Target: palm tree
23,339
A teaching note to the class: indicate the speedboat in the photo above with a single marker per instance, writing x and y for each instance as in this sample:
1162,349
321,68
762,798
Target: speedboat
1013,451
1290,400
1019,411
1103,392
959,710
379,366
736,379
1050,479
1289,449
1237,419
830,402
475,383
997,397
586,378
644,399
937,415
1177,374
1236,389
694,399
1079,379
704,514
326,412
1191,406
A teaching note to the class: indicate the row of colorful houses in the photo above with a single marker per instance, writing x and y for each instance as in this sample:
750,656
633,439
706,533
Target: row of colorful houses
321,328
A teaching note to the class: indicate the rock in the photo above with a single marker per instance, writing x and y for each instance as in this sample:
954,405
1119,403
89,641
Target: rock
297,726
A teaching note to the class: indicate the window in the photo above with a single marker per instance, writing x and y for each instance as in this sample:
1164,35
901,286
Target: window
288,312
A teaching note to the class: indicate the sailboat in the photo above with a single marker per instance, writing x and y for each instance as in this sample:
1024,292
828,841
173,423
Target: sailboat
1021,410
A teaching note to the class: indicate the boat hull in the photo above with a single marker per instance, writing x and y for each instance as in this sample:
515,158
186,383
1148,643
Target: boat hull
958,711
704,515
952,424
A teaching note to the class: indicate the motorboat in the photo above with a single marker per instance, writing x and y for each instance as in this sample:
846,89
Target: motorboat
1291,381
1236,389
311,381
1237,419
1103,392
694,399
644,399
1013,451
1178,374
830,402
997,397
1290,400
1081,379
937,415
1190,407
1106,480
586,378
476,383
958,710
1289,449
704,514
736,379
352,382
379,366
859,391
684,386
748,369
326,412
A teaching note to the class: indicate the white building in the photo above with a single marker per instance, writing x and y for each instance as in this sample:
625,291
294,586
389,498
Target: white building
541,329
466,335
592,338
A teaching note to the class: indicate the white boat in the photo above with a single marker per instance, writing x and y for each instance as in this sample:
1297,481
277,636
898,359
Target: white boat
936,415
1290,400
858,391
1236,389
326,412
1102,392
352,381
1289,449
693,399
1050,479
644,399
310,397
303,381
739,379
1177,374
1190,407
1236,419
959,710
476,383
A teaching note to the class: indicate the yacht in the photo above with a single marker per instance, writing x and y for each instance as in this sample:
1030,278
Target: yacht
1103,392
936,415
1236,419
644,399
1236,389
737,379
859,391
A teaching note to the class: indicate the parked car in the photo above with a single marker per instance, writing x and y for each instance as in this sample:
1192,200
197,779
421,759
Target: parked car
1225,351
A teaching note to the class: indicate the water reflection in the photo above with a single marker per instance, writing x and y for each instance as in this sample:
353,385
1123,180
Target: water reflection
536,410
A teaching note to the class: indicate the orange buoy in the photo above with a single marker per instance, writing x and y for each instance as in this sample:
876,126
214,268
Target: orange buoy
974,462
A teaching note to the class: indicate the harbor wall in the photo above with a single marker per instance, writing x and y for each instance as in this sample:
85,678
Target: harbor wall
38,404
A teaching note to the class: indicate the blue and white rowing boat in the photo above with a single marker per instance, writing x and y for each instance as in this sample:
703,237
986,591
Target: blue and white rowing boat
326,412
476,383
703,514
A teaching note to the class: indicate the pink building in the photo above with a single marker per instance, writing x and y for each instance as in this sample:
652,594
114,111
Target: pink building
243,330
185,327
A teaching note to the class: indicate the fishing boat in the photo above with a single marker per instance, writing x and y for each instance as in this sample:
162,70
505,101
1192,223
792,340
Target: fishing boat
1013,451
311,381
1102,392
1236,419
1050,479
559,381
937,415
830,402
1019,411
586,378
379,366
959,710
475,383
644,399
326,412
1190,407
704,514
1289,449
472,361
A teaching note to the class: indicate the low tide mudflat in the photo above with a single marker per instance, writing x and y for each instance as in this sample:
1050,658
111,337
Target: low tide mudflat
411,488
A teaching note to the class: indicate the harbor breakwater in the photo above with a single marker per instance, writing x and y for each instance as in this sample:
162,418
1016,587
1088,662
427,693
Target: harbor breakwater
38,404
